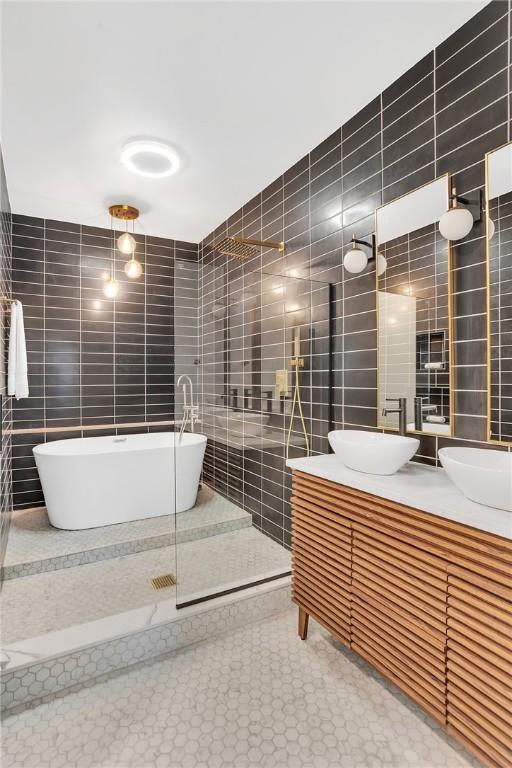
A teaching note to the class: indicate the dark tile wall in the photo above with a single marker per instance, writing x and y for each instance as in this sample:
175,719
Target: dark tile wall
441,116
186,362
92,362
5,402
248,321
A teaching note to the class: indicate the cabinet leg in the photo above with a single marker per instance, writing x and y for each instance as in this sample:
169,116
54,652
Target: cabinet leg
303,623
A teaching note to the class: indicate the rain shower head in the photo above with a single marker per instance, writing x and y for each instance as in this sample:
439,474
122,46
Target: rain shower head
243,248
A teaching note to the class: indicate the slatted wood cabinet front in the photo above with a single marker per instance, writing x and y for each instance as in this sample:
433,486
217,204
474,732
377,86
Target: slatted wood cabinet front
426,601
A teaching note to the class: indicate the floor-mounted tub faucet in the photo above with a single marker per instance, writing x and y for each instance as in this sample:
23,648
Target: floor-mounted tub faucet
190,411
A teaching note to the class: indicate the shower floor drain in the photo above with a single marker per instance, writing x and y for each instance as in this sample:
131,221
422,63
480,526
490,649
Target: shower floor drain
167,580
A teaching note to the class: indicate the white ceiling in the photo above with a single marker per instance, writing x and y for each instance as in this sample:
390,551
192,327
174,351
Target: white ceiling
241,89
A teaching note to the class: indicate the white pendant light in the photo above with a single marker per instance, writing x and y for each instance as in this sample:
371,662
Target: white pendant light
491,229
457,222
133,268
126,243
111,287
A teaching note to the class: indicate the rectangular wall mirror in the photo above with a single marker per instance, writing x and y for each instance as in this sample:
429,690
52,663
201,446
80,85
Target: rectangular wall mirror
414,310
498,175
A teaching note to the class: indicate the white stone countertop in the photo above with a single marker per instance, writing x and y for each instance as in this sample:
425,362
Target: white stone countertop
415,485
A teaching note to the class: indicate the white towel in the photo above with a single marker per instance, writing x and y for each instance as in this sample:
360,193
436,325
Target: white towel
436,419
17,378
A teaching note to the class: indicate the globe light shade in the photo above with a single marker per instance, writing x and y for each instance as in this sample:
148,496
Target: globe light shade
111,289
355,261
126,243
491,229
133,269
456,223
382,264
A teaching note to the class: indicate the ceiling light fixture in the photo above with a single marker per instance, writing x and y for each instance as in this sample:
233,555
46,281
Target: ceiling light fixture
111,286
150,158
126,242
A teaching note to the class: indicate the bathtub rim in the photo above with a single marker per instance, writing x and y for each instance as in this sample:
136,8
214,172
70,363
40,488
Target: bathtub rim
64,448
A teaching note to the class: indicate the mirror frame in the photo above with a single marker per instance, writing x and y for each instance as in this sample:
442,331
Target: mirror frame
491,440
451,324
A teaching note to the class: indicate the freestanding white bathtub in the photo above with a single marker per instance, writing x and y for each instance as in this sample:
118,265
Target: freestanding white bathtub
94,481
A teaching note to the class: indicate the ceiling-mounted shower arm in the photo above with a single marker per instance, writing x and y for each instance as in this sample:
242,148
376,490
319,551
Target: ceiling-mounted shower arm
261,243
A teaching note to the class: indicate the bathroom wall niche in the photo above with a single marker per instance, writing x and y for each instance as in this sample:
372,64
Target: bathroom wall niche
414,312
498,177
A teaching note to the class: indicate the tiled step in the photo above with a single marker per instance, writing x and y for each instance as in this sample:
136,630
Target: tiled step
35,547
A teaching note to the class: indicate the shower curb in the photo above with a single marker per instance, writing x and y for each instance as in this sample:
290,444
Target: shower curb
34,681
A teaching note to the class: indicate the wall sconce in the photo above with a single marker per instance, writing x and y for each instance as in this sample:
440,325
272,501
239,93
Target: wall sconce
458,222
356,260
491,227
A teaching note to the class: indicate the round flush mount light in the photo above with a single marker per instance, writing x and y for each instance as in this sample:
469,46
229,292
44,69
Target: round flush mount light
150,158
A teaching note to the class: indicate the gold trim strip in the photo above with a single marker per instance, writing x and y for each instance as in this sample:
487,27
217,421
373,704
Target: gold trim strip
90,427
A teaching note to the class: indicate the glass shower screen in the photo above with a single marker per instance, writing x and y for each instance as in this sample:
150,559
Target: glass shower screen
262,351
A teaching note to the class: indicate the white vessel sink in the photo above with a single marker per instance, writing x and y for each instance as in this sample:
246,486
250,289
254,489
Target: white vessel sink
484,476
372,452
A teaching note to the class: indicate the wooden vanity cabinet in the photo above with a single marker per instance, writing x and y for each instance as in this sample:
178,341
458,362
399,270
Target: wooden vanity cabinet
321,566
479,662
424,600
399,615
